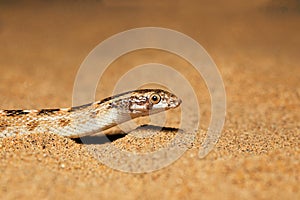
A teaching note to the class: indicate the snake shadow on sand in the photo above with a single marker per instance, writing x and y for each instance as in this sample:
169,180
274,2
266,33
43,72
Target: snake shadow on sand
102,139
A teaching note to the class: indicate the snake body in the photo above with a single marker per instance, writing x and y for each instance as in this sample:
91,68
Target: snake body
87,119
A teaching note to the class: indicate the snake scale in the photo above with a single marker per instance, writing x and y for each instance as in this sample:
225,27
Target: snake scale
87,119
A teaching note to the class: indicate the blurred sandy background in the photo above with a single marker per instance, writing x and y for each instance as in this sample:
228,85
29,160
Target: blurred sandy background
256,47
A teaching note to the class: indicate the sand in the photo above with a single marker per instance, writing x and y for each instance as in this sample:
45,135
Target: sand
256,48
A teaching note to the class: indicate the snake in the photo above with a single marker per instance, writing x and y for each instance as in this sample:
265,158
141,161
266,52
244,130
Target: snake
87,119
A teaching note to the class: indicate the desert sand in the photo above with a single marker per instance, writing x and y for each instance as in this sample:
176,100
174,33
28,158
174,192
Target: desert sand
256,47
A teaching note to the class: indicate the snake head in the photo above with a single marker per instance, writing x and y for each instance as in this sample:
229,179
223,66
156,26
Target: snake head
150,101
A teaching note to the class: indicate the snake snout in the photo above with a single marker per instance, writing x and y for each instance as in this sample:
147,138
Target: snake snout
174,101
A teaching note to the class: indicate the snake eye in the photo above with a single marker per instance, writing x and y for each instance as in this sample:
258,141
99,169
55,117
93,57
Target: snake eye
155,98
